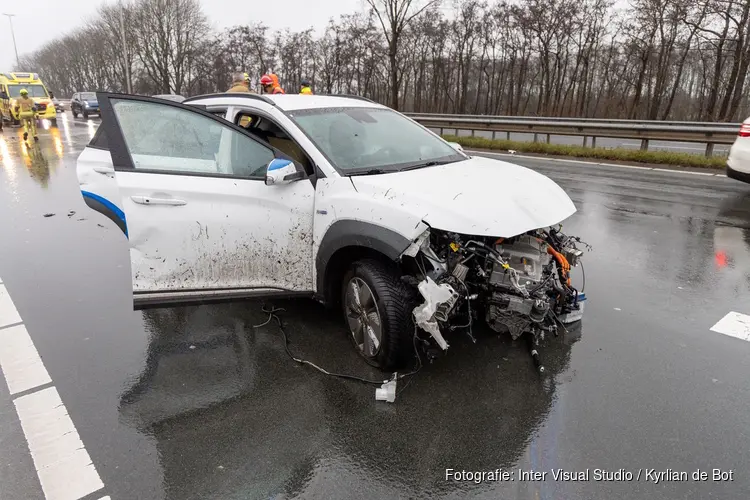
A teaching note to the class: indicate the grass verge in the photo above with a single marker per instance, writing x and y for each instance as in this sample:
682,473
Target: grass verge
616,154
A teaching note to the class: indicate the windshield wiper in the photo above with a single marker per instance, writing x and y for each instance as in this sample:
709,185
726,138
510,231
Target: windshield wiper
422,165
372,171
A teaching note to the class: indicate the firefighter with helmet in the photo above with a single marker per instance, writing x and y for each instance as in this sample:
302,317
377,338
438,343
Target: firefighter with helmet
26,109
270,84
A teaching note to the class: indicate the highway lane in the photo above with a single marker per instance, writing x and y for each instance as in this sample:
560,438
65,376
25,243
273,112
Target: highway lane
196,402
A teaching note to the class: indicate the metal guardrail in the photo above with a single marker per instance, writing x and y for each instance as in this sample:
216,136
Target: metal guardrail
645,131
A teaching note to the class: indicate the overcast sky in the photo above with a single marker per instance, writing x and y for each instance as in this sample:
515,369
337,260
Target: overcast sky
40,21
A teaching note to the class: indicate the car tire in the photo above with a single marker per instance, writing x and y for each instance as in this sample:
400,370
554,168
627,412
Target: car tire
387,301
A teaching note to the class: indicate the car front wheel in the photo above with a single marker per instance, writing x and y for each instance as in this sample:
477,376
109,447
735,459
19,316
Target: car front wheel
378,310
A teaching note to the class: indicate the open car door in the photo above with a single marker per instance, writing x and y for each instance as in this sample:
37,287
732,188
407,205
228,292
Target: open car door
202,222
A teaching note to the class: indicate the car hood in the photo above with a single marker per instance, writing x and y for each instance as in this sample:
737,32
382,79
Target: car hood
479,196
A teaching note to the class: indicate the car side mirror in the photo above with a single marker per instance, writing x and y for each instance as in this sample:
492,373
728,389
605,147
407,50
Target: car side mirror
282,171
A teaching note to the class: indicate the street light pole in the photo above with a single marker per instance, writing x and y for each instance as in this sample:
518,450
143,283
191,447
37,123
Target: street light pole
125,49
10,19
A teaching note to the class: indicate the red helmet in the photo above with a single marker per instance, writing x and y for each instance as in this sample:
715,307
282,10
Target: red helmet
266,80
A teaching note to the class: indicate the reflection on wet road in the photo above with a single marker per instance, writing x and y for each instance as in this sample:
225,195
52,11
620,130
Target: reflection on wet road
198,402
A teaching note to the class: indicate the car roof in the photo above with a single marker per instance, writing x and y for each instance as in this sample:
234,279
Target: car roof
289,102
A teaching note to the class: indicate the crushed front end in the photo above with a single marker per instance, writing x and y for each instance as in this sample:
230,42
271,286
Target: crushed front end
517,285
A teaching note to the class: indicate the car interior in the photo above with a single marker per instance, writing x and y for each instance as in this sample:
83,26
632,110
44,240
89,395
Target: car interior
268,131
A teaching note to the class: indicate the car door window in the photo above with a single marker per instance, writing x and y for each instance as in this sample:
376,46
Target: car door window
270,132
166,138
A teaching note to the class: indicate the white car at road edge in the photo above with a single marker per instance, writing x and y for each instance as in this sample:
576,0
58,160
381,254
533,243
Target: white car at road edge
337,198
738,162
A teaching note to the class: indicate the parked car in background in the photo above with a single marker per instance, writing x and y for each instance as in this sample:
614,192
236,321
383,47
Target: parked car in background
171,97
59,108
738,163
84,103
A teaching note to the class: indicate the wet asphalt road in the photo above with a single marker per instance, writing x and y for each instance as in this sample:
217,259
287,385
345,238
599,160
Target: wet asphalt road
195,402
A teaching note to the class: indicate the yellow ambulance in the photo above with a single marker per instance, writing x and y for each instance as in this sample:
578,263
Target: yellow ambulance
10,90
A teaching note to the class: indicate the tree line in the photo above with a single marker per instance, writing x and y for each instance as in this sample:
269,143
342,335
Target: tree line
654,59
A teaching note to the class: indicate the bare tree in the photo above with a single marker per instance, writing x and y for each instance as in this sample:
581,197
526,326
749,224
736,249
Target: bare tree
394,16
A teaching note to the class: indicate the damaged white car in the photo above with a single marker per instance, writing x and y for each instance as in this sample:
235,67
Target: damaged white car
231,196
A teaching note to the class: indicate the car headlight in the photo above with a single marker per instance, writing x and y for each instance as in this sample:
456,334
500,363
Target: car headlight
86,104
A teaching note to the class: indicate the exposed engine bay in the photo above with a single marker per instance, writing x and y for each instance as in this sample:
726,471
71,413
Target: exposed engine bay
517,285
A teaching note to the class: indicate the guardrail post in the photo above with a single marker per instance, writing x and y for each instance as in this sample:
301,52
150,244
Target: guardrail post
472,132
493,135
593,142
536,137
507,135
710,149
547,138
585,141
644,144
441,131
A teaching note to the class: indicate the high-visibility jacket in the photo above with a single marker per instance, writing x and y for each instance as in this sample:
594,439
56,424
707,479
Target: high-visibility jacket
277,90
306,91
25,105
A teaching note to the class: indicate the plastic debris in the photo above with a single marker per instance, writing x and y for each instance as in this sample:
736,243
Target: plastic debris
49,215
387,391
424,315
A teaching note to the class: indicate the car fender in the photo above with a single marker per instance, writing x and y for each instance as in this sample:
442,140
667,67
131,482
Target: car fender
345,218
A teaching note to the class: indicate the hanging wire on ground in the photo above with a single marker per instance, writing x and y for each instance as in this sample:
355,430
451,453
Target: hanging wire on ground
273,316
416,370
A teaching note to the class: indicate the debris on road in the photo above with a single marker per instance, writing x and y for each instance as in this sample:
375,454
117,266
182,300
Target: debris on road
387,391
49,215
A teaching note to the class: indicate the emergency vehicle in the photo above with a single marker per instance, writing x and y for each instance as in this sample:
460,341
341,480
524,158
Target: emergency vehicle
10,90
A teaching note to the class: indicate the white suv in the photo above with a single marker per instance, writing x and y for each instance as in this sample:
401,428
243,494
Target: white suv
230,196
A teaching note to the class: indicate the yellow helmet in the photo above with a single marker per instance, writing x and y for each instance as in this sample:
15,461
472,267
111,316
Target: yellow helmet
247,77
24,92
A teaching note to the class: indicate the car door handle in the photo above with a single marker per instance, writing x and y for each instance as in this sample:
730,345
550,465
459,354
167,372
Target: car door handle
147,200
104,170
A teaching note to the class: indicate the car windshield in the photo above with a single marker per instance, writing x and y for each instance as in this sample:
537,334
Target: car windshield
373,140
34,90
88,96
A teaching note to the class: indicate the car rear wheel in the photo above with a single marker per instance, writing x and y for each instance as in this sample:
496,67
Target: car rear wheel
378,310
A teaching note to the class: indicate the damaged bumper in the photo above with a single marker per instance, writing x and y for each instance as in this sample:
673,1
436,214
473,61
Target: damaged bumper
522,285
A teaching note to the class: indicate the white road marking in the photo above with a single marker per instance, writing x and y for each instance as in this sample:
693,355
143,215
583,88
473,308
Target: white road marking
20,361
8,313
638,144
62,463
734,324
597,164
